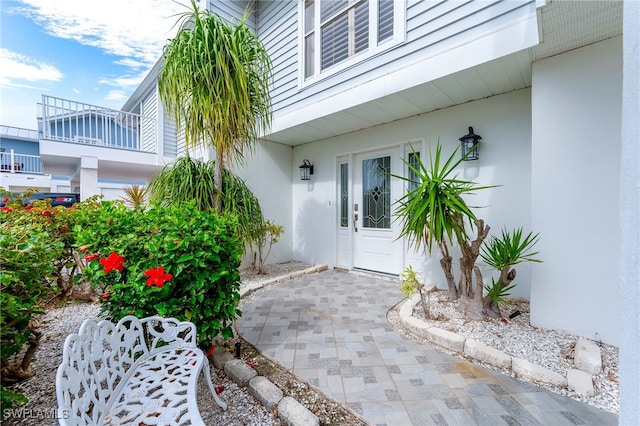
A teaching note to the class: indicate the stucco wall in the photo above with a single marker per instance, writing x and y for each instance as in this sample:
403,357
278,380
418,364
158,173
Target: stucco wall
267,171
576,110
503,122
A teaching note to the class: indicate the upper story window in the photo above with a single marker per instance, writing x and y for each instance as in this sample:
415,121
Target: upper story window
337,32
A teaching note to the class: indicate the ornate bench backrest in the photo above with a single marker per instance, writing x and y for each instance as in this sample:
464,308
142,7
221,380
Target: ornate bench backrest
97,359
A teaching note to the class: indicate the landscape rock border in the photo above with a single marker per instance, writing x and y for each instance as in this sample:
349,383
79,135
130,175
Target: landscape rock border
587,363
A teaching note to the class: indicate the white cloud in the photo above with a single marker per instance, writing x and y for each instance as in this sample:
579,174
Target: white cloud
15,69
116,95
133,29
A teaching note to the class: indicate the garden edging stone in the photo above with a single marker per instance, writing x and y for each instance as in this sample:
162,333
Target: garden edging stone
476,350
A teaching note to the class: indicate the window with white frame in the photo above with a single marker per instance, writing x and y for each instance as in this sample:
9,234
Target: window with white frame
337,31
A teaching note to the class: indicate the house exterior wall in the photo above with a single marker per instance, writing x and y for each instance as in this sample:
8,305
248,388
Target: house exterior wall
576,110
503,122
441,38
232,10
267,172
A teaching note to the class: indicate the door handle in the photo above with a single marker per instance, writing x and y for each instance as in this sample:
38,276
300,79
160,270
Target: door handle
355,222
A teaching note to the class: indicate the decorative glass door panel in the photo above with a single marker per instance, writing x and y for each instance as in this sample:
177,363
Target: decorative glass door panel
376,193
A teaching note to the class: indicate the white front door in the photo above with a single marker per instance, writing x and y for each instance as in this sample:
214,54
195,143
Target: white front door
375,233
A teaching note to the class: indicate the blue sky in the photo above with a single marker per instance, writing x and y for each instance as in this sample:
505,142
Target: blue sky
91,51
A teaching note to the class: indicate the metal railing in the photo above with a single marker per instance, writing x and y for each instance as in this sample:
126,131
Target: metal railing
10,162
63,120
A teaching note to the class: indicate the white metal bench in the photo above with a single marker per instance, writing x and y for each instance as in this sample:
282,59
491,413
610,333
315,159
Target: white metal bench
135,372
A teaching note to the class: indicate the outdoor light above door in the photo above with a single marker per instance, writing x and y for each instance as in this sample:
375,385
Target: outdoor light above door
306,170
469,145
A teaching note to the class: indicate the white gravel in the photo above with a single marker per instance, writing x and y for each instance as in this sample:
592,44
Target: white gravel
552,349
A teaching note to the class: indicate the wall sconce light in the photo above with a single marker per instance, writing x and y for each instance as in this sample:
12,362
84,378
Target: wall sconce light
306,170
469,145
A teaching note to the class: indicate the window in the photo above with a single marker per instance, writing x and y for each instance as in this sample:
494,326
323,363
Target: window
414,161
335,31
344,195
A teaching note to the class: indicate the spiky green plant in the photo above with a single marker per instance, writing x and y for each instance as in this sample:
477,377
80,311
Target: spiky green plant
215,84
497,293
134,195
510,249
434,210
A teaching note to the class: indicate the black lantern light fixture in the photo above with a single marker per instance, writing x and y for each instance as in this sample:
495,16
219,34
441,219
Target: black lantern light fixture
306,170
469,145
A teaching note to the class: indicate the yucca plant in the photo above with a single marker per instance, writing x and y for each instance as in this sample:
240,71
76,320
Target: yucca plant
434,210
497,295
502,254
215,84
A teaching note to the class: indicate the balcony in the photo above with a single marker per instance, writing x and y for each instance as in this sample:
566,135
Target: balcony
62,120
10,162
125,144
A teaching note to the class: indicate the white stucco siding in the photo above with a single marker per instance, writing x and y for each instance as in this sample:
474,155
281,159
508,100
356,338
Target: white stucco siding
267,171
503,122
576,113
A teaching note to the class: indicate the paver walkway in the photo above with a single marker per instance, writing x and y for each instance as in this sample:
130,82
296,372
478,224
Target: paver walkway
331,329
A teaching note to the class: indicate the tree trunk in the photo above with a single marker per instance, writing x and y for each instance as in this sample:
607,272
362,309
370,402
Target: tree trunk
446,263
472,300
218,181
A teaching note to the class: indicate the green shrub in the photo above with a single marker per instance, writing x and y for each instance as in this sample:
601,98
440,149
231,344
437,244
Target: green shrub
199,253
27,254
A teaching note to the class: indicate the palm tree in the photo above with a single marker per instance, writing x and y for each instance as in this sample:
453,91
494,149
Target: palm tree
215,83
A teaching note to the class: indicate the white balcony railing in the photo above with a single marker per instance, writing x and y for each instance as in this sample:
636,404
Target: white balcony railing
10,162
63,120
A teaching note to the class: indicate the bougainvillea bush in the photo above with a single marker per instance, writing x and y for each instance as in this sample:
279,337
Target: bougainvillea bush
173,261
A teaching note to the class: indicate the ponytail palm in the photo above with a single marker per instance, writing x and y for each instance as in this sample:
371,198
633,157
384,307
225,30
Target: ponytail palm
188,180
215,83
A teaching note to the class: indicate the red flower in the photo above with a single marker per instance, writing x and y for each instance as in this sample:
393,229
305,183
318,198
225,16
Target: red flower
211,349
29,207
90,257
6,209
106,295
47,213
6,199
113,261
157,277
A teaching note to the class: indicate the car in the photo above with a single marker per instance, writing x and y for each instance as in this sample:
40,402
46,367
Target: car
66,199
